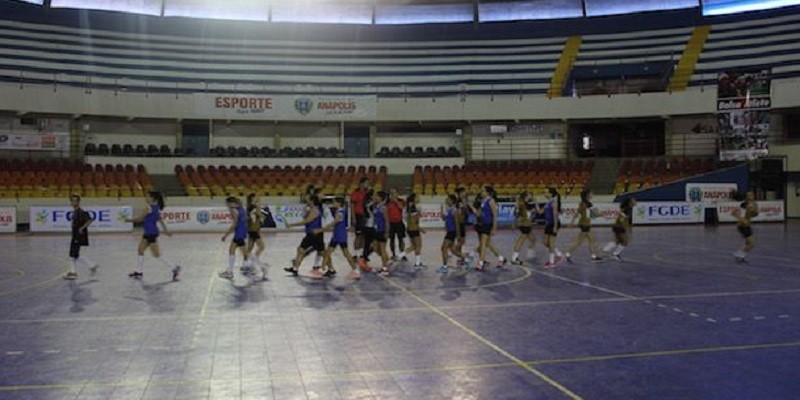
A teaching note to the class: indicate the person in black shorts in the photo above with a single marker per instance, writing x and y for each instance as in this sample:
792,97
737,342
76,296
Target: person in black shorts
81,220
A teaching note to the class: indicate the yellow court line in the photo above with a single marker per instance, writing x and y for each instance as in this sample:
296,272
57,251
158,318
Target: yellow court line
17,274
408,309
441,368
584,284
699,350
572,395
35,285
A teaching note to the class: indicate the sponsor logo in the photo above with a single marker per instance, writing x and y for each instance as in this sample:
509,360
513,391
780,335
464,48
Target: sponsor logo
303,105
695,194
6,219
3,138
243,103
203,217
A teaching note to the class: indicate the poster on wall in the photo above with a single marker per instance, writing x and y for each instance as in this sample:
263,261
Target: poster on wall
34,141
743,113
8,219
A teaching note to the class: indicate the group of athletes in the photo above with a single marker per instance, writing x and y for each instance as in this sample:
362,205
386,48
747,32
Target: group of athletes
381,218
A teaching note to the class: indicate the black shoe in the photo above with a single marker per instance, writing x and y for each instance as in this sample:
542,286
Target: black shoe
292,270
176,272
330,273
136,275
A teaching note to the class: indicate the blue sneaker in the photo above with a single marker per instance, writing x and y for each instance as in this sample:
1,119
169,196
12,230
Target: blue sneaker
443,269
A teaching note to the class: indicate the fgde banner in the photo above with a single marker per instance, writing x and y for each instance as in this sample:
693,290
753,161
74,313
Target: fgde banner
8,219
59,219
668,213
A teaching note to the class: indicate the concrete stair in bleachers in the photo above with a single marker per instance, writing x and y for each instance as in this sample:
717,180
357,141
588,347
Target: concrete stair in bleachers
604,175
168,185
565,63
694,47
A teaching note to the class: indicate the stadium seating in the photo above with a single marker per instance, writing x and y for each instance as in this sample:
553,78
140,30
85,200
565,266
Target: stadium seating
760,42
641,174
62,177
509,178
417,152
220,181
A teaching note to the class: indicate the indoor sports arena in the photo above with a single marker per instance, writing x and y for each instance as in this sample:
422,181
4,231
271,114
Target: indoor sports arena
400,199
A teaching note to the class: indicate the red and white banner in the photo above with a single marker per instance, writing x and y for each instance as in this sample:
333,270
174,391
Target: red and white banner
300,108
8,219
606,214
430,215
768,211
34,141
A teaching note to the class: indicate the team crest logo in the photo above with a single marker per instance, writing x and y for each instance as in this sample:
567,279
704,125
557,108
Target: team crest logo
203,217
695,194
303,105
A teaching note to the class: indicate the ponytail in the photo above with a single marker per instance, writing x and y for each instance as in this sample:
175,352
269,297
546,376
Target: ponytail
585,197
554,193
250,199
159,199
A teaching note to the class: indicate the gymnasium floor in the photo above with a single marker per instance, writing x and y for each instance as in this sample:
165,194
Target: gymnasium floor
678,320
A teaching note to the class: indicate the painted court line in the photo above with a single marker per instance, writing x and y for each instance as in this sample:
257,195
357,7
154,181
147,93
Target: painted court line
441,368
489,344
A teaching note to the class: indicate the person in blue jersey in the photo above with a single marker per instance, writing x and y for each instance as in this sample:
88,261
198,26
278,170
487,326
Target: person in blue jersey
339,239
81,220
381,216
486,212
314,239
151,219
452,229
551,211
465,217
239,230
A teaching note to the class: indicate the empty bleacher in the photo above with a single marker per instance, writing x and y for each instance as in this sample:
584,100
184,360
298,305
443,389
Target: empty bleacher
509,178
766,42
62,177
417,152
217,181
639,174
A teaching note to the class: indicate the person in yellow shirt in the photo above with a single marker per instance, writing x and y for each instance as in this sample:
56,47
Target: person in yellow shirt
584,218
744,217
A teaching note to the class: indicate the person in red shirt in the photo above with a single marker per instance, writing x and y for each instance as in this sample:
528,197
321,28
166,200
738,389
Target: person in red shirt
397,229
358,199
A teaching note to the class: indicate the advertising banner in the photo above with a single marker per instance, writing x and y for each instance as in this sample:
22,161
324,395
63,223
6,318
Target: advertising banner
606,213
709,192
743,113
218,219
8,219
668,213
430,216
768,211
59,219
285,107
34,141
